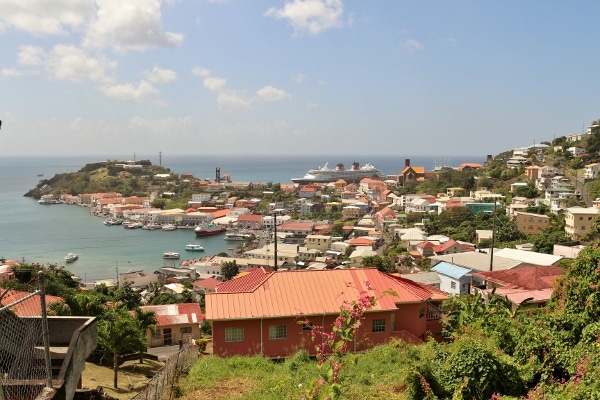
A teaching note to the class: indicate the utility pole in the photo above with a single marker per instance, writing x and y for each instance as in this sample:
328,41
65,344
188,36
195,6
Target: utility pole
493,237
275,241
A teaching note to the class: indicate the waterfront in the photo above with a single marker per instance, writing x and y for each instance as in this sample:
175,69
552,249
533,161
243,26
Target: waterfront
46,233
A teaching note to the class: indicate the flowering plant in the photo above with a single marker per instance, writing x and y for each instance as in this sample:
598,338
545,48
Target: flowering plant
336,344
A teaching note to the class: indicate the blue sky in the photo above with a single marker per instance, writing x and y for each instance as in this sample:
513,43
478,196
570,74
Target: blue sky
105,77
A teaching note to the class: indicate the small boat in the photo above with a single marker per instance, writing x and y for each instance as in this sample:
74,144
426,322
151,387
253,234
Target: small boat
152,226
171,255
168,227
71,257
238,235
194,247
132,224
112,221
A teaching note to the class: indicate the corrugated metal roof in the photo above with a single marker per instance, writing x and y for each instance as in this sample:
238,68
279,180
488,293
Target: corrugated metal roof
176,314
26,308
286,293
529,257
451,270
477,261
530,278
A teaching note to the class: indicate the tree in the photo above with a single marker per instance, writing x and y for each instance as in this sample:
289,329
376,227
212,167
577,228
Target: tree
229,269
578,291
120,333
383,264
148,322
80,304
545,241
454,216
127,296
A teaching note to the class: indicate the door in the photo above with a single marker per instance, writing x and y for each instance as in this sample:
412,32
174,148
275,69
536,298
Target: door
167,338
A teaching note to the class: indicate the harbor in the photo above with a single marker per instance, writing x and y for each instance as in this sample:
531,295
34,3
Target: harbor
45,233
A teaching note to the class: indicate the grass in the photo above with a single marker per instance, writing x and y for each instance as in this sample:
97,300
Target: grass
132,377
379,373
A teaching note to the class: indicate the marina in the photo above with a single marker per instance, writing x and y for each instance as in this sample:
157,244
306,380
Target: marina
45,234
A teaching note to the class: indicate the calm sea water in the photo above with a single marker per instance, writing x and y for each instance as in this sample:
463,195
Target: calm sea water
45,234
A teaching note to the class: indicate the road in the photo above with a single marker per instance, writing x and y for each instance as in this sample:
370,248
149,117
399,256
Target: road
579,184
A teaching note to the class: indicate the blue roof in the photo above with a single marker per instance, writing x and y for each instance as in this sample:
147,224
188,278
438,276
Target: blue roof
451,270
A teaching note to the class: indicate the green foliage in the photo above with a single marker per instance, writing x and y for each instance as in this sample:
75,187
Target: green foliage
125,295
545,241
119,333
383,264
57,280
577,291
528,191
471,369
229,269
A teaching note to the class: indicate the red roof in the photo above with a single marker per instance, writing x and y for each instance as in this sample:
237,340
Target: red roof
309,292
176,314
445,246
530,278
26,308
245,283
296,226
220,213
207,284
362,241
250,217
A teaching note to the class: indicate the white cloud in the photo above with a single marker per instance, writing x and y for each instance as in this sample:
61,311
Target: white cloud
199,71
11,72
450,42
312,105
30,55
312,16
129,92
73,64
160,125
214,83
271,94
41,17
411,46
299,78
160,75
230,101
129,25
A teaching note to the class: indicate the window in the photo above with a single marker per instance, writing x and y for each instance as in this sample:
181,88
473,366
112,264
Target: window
157,334
378,325
234,334
184,330
421,313
277,332
453,285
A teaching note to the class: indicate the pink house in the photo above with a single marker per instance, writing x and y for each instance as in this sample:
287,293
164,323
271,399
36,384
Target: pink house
264,311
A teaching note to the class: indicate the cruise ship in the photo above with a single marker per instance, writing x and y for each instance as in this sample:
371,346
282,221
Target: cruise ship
325,174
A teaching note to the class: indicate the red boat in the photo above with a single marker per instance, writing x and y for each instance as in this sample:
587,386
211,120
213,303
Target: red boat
209,229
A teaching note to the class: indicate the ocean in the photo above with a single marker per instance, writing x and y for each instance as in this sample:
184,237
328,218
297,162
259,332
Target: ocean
46,233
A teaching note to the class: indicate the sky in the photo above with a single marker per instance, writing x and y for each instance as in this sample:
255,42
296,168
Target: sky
294,77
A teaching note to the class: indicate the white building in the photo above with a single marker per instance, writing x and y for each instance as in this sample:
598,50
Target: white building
591,171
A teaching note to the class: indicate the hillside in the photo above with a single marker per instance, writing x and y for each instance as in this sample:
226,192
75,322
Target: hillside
493,351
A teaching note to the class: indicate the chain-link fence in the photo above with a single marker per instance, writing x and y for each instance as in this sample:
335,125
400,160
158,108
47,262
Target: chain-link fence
165,384
24,352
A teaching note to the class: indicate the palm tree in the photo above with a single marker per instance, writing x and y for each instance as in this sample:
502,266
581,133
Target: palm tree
120,332
148,323
80,304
